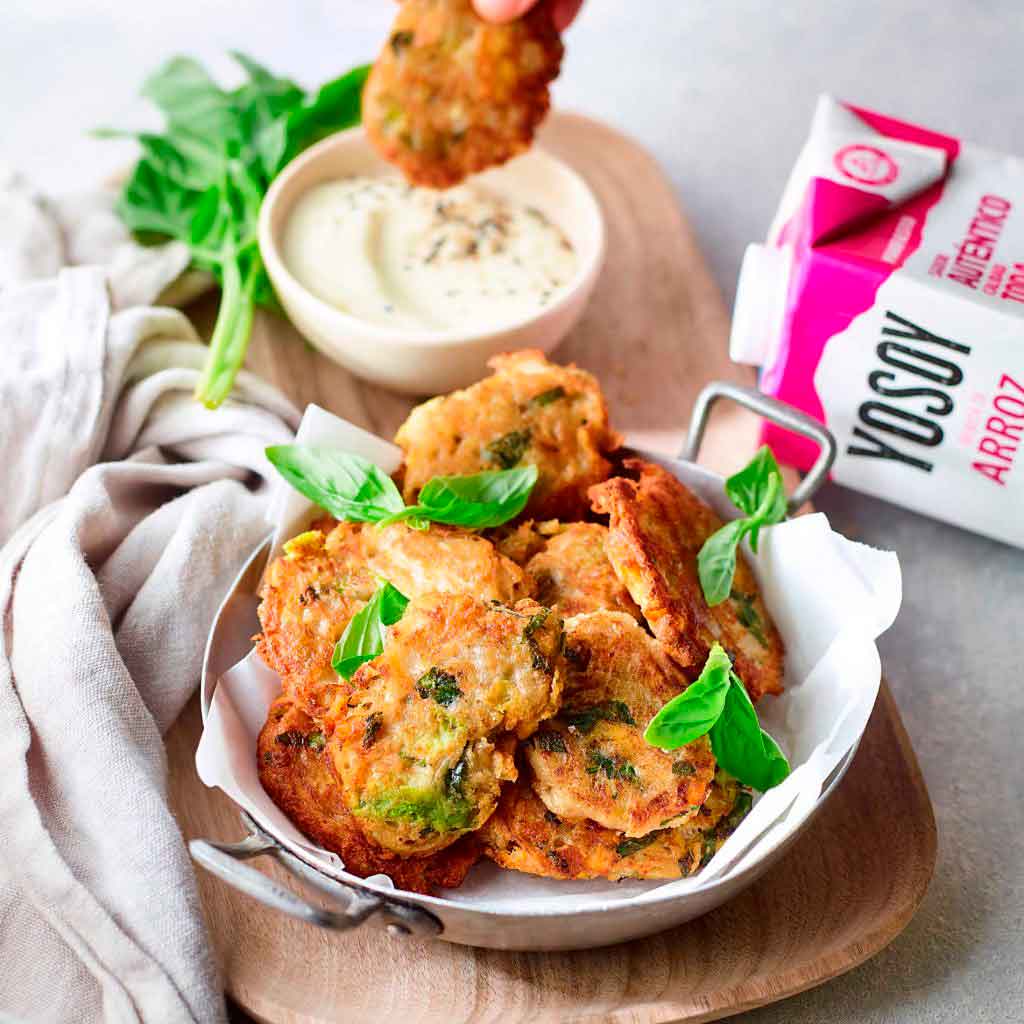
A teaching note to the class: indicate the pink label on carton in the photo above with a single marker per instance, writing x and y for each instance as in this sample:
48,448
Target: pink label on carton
902,320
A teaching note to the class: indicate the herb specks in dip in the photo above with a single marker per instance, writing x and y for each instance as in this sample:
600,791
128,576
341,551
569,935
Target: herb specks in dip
390,254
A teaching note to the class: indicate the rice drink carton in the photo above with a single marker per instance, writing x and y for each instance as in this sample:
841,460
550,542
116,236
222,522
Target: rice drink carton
888,302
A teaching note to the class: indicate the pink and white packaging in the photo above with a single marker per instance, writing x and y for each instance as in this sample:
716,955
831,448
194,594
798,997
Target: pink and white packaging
888,302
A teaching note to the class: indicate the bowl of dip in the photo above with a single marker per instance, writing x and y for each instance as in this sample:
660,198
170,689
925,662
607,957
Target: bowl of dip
415,289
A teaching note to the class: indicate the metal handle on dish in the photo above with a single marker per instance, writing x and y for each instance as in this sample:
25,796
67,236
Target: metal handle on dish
776,412
224,861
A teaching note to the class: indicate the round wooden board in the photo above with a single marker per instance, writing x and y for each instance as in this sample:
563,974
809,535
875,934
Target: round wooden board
655,332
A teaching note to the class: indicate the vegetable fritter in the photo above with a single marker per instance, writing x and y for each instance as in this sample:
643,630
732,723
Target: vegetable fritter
451,94
657,527
591,761
528,412
296,772
307,598
328,573
572,572
524,835
427,735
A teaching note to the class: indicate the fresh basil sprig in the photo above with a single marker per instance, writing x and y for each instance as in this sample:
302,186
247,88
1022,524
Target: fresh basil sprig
363,639
354,489
717,705
757,490
202,180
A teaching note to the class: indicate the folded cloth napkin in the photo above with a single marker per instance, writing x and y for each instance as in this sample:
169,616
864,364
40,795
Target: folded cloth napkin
127,509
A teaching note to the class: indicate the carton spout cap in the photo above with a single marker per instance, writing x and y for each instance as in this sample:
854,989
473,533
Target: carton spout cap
760,304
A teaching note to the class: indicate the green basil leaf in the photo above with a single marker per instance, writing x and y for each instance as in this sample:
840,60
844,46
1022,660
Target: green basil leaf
478,501
741,747
363,639
696,710
335,107
348,486
716,561
749,488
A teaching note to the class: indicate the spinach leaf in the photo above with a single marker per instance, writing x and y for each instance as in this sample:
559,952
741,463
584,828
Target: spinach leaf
363,639
758,490
440,686
508,449
742,747
348,486
693,712
202,180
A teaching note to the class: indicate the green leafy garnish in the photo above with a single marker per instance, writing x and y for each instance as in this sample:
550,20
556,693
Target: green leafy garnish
354,489
477,502
438,685
202,180
611,767
547,397
757,490
550,742
348,486
717,705
507,450
363,639
630,846
584,719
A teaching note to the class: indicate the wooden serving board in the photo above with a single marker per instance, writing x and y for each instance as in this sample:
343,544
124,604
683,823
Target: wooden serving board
654,333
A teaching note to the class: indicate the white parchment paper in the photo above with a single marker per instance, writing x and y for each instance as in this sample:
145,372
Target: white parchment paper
829,596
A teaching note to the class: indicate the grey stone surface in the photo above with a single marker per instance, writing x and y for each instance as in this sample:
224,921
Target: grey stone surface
722,94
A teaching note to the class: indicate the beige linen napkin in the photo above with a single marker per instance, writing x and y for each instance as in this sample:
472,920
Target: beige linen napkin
126,510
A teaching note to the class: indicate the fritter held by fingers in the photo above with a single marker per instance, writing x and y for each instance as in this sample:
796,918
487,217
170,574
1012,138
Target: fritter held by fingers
657,527
591,761
296,772
328,573
451,94
572,572
528,412
427,735
524,835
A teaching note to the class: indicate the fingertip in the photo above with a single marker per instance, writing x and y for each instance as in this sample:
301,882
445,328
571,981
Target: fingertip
502,10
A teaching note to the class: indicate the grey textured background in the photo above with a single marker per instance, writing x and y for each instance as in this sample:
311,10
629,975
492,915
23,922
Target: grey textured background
722,94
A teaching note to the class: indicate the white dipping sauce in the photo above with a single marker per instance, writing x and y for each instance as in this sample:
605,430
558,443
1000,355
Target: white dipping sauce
387,253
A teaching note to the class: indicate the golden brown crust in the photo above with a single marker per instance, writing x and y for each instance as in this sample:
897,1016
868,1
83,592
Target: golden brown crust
424,740
451,94
572,572
591,760
298,777
528,412
523,835
657,527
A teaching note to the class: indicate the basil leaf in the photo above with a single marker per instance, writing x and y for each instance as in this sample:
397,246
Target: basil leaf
363,639
741,747
693,712
748,488
716,561
478,501
758,490
348,486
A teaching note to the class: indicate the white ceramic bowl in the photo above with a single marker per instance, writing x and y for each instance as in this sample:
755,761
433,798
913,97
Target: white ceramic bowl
428,362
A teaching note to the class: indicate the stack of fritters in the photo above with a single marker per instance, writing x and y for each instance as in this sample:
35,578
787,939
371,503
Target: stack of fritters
505,716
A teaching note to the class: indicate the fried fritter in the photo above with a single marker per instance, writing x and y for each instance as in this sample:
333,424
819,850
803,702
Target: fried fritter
451,94
427,734
524,835
522,541
308,596
572,572
657,527
528,412
591,761
328,573
296,772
